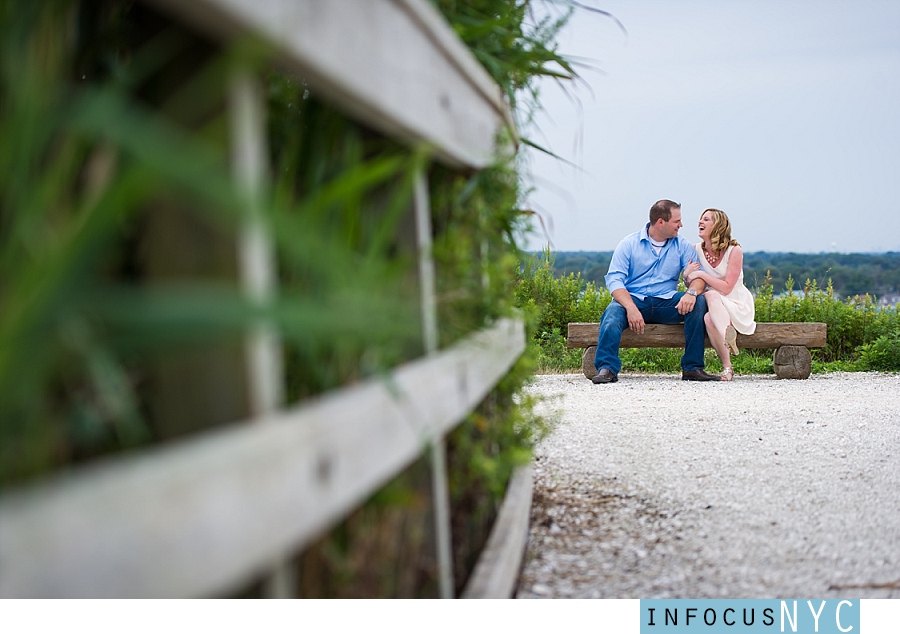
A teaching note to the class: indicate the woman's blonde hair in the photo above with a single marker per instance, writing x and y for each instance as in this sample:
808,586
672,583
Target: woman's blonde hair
720,233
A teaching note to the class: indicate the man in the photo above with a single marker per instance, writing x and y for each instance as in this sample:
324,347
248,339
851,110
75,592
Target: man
643,279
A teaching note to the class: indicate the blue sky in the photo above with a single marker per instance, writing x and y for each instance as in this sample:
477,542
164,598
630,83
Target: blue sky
786,115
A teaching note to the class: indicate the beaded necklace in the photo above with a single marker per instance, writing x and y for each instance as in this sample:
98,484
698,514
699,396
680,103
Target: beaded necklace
709,257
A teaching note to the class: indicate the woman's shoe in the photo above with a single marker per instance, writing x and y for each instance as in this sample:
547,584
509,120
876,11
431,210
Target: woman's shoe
727,374
731,340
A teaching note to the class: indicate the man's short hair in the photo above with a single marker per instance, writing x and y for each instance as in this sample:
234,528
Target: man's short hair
662,209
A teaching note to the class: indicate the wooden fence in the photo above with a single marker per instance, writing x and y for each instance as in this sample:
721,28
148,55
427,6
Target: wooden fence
203,516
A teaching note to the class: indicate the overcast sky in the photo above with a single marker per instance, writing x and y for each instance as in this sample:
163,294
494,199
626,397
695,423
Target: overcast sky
785,114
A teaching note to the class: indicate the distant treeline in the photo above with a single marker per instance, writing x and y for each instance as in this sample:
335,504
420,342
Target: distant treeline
851,273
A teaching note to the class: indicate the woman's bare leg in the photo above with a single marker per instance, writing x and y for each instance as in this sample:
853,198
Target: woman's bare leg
717,341
717,320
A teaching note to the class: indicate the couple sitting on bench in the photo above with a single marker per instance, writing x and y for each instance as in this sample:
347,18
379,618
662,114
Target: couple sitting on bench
643,280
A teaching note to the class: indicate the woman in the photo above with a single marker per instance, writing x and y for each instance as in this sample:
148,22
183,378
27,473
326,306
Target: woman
721,266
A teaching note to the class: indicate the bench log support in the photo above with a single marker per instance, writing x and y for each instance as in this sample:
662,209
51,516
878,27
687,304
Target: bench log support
791,342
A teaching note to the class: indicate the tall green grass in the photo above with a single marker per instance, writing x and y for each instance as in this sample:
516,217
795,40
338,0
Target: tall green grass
100,143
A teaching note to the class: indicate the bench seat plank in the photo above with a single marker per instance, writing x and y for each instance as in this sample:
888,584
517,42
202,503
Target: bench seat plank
767,335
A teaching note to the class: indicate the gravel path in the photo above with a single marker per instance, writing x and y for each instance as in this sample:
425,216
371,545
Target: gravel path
654,487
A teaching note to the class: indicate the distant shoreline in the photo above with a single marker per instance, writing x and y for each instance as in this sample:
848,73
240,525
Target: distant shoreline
851,274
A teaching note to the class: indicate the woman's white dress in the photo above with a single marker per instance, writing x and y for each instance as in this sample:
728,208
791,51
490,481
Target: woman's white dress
739,302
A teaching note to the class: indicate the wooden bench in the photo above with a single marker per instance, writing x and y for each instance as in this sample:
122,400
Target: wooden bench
791,342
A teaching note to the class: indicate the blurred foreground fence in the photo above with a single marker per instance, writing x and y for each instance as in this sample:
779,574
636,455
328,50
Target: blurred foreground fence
206,514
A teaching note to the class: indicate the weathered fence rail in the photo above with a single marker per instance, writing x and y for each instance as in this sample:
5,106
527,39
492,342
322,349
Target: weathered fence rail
392,64
198,518
202,516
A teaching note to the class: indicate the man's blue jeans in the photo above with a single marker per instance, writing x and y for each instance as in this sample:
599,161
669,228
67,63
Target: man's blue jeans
655,310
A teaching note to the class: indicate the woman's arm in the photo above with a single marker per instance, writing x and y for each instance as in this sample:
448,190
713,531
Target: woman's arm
690,272
732,273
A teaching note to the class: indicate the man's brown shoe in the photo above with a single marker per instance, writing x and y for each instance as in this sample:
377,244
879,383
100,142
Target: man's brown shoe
605,376
698,375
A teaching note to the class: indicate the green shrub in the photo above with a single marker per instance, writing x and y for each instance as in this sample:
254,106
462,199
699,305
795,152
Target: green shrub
851,323
883,354
550,304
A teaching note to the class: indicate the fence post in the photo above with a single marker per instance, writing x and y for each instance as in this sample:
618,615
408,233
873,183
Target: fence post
256,264
440,493
256,259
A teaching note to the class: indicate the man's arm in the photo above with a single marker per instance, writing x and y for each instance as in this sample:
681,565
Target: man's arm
619,265
695,284
635,318
687,301
616,280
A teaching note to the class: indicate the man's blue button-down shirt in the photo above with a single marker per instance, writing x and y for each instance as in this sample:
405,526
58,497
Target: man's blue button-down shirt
636,268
